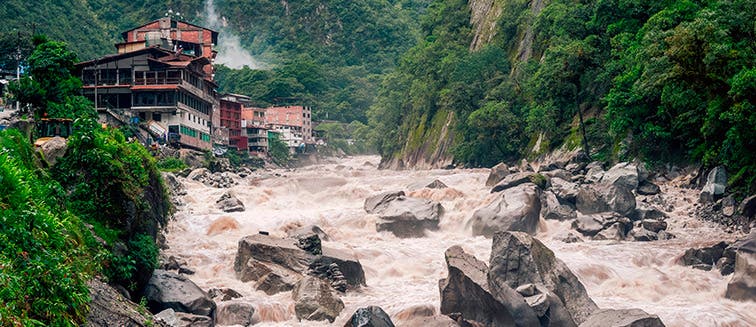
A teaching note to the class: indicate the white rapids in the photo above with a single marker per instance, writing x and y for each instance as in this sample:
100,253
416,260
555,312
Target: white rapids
404,273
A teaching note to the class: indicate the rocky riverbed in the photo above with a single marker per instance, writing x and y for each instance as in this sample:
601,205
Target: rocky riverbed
619,269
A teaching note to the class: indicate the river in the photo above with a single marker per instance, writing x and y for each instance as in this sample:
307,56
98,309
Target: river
404,273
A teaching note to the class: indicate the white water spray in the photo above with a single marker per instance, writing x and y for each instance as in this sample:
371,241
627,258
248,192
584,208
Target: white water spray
230,51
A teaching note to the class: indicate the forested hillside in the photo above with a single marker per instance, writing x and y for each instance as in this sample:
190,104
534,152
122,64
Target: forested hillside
665,80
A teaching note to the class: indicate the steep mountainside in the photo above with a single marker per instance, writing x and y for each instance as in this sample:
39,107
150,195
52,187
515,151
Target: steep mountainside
669,80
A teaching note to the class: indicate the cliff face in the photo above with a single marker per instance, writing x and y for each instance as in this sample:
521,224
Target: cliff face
427,147
484,14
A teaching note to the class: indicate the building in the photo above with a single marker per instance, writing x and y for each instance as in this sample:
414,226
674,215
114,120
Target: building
230,111
293,123
255,130
164,86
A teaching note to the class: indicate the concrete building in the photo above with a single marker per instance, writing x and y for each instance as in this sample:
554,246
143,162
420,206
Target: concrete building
166,87
255,130
230,112
294,123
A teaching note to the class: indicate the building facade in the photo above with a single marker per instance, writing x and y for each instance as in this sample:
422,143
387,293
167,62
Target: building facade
293,123
255,130
168,91
230,112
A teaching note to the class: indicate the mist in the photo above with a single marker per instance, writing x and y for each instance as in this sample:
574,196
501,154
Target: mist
230,51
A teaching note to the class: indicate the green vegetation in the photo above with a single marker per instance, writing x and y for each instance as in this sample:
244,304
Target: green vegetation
102,186
350,138
660,80
278,151
171,165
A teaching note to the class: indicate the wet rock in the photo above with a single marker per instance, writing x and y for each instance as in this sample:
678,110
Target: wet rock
518,258
371,316
554,210
235,312
642,235
466,292
223,294
728,206
379,202
53,149
615,231
623,175
109,308
436,184
409,217
571,238
645,212
550,309
703,258
285,253
622,318
654,225
199,174
742,286
228,202
517,209
310,243
665,235
515,179
276,279
167,290
716,182
497,173
605,197
566,192
588,225
191,320
747,208
306,230
314,299
648,188
167,317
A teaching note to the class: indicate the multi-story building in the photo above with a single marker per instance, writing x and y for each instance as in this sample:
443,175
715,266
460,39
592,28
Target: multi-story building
166,86
230,117
255,130
294,123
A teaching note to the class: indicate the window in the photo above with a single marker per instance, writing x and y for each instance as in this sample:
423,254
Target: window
156,116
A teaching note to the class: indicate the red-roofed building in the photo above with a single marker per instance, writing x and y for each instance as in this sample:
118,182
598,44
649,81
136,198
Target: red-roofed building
161,78
294,123
254,129
230,111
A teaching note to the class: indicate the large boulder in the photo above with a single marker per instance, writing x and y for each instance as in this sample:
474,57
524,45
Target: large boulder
742,286
409,217
109,308
314,299
228,202
716,182
606,197
379,202
518,259
168,290
235,312
622,318
565,191
517,179
648,188
370,316
466,291
53,149
517,208
271,278
623,175
286,254
555,210
497,173
703,258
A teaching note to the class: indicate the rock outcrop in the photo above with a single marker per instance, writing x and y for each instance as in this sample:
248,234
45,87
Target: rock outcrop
109,308
497,173
742,286
228,202
235,312
716,183
370,316
404,216
518,259
53,149
516,209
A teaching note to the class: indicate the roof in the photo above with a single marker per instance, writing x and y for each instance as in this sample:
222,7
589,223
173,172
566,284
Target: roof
117,56
125,36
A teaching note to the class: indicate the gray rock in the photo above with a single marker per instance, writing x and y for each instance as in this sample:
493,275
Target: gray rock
716,183
199,174
284,253
235,312
622,175
53,149
175,187
527,290
588,225
747,208
437,184
571,238
594,173
557,173
665,235
228,202
109,308
703,256
277,279
605,197
409,217
648,188
539,303
742,286
497,173
654,225
645,212
309,229
191,320
622,318
370,316
555,210
565,191
168,290
518,258
729,205
513,180
314,299
466,291
167,317
378,202
223,294
614,232
517,208
642,235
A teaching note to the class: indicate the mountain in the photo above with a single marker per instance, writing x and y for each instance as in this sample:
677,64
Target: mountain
497,80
